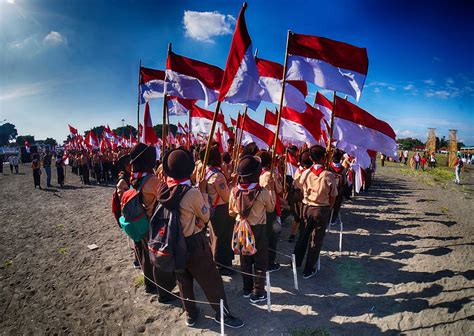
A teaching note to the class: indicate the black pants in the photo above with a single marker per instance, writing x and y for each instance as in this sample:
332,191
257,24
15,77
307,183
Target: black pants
16,169
315,220
259,262
201,267
272,237
85,174
167,280
337,204
60,171
222,228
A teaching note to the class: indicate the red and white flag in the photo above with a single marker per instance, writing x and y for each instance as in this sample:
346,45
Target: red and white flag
133,140
190,79
152,84
252,131
149,135
91,140
271,74
358,127
181,129
291,164
270,120
297,128
72,130
201,120
329,64
178,106
240,82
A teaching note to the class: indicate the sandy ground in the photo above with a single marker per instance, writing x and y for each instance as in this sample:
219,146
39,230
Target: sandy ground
406,268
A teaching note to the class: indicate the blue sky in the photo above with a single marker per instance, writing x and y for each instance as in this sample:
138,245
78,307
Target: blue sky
77,61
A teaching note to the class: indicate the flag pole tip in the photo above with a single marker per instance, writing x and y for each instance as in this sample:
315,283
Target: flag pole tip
169,47
244,5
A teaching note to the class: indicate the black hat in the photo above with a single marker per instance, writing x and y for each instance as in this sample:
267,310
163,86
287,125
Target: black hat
292,149
317,152
305,159
214,157
123,161
178,163
143,157
249,165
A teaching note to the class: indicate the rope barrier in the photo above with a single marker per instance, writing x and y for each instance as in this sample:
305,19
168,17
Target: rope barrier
236,270
280,253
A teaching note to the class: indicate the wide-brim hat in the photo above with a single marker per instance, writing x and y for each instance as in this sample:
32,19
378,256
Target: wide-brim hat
249,165
143,157
178,163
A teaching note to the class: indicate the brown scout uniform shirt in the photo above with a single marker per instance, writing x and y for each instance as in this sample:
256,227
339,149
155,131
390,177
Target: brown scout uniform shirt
265,202
265,180
317,189
217,187
150,194
194,211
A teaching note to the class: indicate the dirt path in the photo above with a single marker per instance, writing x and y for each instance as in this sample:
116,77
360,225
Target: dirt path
406,266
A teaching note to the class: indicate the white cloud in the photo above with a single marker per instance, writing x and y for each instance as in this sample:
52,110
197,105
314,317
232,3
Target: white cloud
438,93
30,89
377,90
409,87
405,133
429,81
391,88
449,81
54,38
203,26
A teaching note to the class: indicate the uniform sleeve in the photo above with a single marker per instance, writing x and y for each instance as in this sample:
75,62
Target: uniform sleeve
150,194
269,199
222,188
278,183
201,206
232,205
332,185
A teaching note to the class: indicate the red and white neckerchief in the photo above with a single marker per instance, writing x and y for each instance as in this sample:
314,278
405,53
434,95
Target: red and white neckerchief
171,182
139,175
337,167
301,169
211,170
247,186
317,169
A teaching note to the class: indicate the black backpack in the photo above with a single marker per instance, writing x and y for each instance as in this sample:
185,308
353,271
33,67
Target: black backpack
166,243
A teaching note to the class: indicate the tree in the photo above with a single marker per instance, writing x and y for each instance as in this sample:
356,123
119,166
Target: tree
97,130
20,140
409,143
440,143
158,129
126,130
461,144
7,132
50,141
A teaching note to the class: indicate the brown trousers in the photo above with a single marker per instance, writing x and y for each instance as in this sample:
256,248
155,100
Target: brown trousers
259,261
201,267
315,220
222,228
152,274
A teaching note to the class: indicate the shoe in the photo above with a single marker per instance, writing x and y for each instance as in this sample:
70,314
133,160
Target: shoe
190,321
226,271
136,264
246,293
310,275
230,321
254,298
167,299
292,238
274,267
151,289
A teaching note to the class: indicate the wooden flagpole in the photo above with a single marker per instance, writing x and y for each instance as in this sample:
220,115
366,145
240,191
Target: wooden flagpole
138,101
277,131
238,144
211,134
189,130
165,112
329,150
284,170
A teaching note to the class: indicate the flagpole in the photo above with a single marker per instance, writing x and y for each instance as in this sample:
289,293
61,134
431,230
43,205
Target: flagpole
165,112
168,129
238,144
277,131
284,170
138,101
189,130
211,134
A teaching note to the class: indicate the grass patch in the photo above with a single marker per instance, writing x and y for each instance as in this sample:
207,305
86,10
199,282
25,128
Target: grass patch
321,331
139,281
8,263
60,226
444,210
63,250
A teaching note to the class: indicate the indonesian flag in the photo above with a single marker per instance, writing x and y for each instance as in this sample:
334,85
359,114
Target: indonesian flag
110,136
133,140
72,130
358,127
190,79
140,132
91,140
178,106
360,153
149,136
240,82
219,140
271,75
152,84
291,164
327,63
270,120
298,128
181,129
27,146
201,120
324,105
103,145
252,131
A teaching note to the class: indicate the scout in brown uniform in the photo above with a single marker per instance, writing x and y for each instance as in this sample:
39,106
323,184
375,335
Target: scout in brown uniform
194,212
143,159
319,193
222,224
274,185
251,202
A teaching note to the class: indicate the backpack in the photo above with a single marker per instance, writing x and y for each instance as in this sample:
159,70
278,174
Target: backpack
134,221
461,163
116,206
243,239
167,246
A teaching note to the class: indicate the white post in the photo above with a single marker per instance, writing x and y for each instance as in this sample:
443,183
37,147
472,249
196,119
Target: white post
340,234
222,317
319,263
295,278
330,220
269,301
